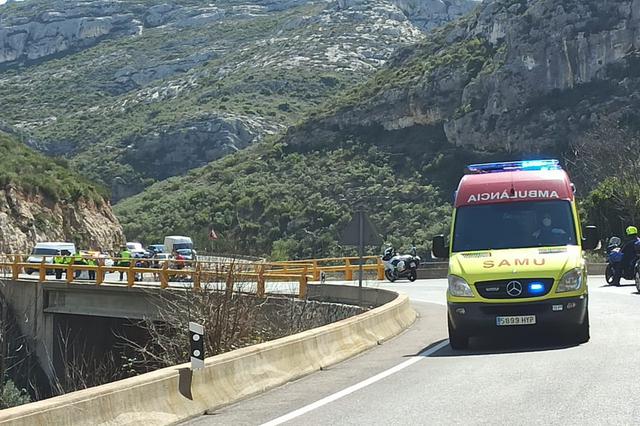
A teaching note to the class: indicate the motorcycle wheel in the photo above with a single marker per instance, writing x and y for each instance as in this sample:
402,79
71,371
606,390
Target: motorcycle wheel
389,275
637,277
413,275
608,274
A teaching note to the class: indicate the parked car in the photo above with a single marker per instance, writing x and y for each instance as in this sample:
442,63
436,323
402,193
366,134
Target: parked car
48,250
134,246
188,254
156,248
160,259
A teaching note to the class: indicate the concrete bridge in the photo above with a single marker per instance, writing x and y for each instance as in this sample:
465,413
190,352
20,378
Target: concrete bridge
45,306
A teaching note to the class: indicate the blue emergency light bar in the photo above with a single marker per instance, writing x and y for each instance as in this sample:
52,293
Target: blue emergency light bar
510,166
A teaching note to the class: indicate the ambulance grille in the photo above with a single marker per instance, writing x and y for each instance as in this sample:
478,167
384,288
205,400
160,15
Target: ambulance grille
498,289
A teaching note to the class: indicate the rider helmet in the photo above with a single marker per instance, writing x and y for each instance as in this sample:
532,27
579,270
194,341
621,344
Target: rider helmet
632,230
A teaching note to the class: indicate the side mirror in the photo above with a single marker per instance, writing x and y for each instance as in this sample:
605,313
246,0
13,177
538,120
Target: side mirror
590,239
438,247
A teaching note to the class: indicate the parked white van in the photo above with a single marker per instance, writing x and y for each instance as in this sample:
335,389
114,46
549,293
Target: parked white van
48,250
175,242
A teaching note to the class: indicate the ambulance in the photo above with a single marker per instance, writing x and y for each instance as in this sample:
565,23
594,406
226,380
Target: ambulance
516,253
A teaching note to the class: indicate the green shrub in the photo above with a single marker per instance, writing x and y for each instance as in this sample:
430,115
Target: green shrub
11,396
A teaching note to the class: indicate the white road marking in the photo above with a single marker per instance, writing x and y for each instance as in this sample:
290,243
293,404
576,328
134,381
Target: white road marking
324,401
435,302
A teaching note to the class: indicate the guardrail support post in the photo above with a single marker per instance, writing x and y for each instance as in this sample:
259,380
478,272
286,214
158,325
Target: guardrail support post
380,269
15,269
348,272
316,271
100,272
70,272
196,277
261,290
164,276
302,291
131,278
42,272
228,289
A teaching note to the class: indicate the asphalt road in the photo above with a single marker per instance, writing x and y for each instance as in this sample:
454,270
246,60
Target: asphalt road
416,378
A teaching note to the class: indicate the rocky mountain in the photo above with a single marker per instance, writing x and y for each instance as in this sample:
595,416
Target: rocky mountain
519,76
41,200
515,78
136,91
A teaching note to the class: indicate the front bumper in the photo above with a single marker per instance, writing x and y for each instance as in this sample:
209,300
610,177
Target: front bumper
480,318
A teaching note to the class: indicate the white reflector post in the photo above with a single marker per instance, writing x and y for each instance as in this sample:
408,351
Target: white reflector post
196,332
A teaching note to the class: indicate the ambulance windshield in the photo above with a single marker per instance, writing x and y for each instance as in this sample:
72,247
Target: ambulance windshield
514,225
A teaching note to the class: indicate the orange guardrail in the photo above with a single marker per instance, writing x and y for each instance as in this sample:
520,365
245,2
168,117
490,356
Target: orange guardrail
346,265
197,272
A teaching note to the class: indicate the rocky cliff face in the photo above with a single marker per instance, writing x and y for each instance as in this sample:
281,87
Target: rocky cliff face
517,76
27,219
173,150
430,14
32,32
24,39
563,62
41,200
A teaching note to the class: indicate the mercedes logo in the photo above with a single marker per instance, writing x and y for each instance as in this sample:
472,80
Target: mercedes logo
514,288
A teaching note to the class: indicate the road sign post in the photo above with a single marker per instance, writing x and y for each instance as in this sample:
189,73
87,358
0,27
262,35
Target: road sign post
360,245
360,232
196,341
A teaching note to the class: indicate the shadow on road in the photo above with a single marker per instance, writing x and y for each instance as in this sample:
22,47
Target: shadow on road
503,343
621,285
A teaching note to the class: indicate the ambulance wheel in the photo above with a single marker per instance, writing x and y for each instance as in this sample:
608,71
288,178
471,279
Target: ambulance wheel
457,340
582,335
413,275
389,276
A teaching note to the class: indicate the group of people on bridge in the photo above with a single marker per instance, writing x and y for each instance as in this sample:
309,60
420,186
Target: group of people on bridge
95,258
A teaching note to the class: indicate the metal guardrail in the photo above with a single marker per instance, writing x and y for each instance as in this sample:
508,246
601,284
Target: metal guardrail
345,265
196,272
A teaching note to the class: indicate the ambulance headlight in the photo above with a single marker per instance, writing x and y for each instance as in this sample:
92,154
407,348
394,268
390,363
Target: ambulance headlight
571,281
459,287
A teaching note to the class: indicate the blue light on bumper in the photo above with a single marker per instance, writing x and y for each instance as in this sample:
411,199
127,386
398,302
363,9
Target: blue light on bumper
536,288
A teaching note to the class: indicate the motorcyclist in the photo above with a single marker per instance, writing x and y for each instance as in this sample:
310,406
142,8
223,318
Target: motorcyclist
629,254
389,252
400,266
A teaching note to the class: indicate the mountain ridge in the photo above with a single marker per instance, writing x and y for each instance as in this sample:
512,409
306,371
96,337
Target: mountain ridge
131,76
515,79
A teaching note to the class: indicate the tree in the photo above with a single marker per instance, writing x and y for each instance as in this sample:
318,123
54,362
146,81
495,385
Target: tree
605,162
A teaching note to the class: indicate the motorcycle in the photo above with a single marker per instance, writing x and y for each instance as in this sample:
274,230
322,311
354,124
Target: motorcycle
400,266
614,256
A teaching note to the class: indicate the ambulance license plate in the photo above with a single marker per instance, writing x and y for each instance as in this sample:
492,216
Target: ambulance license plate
516,320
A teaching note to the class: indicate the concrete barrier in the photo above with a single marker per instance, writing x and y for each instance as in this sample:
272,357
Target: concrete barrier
174,394
596,268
